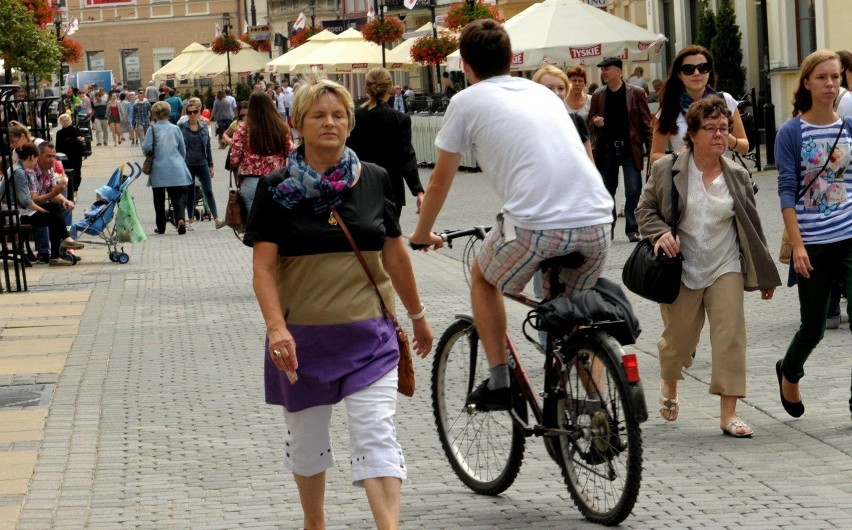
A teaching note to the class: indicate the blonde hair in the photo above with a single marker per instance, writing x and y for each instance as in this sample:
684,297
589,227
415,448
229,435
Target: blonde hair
311,91
378,83
161,110
802,100
555,72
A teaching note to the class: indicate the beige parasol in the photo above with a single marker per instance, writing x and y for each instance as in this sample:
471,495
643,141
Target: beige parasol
247,61
189,56
349,53
283,64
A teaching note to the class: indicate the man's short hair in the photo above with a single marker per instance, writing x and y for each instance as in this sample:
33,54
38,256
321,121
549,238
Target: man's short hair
45,145
486,48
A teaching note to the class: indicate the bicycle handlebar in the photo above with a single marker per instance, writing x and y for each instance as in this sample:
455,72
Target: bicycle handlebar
449,235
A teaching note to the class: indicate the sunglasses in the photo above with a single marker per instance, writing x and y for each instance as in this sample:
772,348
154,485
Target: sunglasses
689,69
192,112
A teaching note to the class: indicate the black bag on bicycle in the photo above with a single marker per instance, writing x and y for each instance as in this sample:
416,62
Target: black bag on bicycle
656,278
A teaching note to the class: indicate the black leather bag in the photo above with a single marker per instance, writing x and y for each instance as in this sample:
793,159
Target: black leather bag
656,278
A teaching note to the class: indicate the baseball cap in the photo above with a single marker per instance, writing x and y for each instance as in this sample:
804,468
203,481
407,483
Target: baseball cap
611,61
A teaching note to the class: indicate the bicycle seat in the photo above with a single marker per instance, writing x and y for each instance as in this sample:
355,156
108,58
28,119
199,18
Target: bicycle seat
573,260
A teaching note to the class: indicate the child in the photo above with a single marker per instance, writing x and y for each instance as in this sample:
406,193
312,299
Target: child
103,196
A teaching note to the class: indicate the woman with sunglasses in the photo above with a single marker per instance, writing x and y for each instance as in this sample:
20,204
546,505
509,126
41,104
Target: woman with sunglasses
199,160
690,79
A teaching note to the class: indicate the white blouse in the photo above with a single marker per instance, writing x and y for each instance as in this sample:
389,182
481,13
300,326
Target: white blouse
708,236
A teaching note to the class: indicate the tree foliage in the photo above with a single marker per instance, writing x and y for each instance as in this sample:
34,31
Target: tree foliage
727,51
25,46
706,25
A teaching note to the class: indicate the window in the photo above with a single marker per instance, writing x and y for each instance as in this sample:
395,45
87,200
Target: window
95,60
805,28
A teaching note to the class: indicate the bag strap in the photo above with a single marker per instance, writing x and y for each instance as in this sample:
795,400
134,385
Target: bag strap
827,160
675,198
363,263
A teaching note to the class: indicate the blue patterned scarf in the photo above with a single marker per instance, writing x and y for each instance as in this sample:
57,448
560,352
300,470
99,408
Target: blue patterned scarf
303,182
686,100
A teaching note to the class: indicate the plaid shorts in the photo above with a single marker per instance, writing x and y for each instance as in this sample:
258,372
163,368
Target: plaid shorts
509,266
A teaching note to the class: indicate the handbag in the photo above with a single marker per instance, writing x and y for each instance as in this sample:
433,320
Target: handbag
786,247
656,278
236,215
148,164
405,383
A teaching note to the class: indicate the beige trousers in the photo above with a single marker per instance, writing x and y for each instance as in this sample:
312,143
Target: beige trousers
683,320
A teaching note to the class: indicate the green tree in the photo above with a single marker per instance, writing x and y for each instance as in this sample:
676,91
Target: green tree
706,25
24,46
727,51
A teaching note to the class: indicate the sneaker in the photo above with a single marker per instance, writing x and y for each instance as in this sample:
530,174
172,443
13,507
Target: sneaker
59,262
832,322
42,260
486,399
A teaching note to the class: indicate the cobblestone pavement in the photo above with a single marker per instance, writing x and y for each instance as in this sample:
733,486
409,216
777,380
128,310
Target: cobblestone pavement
157,419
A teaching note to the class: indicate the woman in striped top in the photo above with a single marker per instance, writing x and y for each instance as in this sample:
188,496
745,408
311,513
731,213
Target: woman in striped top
813,156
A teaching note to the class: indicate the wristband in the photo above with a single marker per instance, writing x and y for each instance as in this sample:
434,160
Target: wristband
419,315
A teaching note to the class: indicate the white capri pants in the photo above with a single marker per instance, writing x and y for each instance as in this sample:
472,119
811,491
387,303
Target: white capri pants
373,445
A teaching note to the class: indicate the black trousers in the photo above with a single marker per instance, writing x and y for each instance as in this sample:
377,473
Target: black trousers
177,194
54,222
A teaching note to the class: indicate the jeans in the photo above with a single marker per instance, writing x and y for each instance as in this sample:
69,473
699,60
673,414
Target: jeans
608,160
177,194
53,221
834,301
202,173
830,262
248,188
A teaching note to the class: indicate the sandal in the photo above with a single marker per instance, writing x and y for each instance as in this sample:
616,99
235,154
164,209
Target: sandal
669,405
734,426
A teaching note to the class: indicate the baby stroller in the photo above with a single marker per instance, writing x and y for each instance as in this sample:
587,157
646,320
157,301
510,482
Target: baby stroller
200,209
98,223
85,126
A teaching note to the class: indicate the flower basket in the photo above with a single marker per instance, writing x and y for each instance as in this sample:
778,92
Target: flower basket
72,50
431,50
42,11
461,14
302,36
384,30
257,45
224,44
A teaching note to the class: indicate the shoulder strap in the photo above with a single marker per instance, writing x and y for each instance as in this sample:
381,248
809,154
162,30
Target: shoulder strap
363,263
675,197
827,160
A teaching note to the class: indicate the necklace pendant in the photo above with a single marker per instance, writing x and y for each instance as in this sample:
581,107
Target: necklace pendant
331,220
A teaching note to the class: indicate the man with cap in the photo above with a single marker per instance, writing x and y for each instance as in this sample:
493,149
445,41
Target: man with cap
620,121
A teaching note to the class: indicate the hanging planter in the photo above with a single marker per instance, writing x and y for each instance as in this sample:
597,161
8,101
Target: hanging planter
257,45
431,50
42,11
72,50
384,30
302,36
461,14
224,44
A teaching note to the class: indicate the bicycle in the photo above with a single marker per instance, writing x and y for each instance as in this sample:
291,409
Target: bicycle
592,406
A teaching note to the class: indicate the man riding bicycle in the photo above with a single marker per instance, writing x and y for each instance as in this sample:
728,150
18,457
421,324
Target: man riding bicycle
554,200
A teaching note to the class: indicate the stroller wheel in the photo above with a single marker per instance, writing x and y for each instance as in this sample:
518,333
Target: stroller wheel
123,258
72,258
113,256
198,214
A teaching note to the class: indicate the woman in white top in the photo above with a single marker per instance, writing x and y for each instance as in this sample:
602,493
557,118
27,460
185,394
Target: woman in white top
718,233
843,103
690,79
578,100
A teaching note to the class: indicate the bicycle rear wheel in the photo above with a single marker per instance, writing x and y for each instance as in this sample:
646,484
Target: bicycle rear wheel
602,460
485,449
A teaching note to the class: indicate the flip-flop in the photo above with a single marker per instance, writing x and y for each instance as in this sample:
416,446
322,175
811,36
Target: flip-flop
734,426
668,405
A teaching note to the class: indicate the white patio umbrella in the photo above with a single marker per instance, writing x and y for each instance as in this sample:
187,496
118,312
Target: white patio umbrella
572,32
188,57
349,53
246,61
283,64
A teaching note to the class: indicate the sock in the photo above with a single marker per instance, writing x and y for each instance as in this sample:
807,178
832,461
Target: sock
498,377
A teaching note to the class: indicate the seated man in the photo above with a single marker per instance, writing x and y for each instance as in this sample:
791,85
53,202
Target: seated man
41,209
554,200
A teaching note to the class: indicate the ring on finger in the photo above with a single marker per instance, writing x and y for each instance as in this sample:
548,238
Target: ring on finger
276,352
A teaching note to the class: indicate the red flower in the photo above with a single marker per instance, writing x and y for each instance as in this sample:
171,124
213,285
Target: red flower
433,50
42,11
461,14
257,45
382,31
225,44
72,50
302,36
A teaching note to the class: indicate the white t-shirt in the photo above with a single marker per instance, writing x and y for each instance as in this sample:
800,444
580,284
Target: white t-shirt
528,146
677,141
844,106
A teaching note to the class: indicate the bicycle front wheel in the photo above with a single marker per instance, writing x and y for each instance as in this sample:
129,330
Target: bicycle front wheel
485,449
602,458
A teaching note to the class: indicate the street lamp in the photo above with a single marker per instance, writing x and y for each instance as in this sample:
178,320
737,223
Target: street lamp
380,9
57,23
226,28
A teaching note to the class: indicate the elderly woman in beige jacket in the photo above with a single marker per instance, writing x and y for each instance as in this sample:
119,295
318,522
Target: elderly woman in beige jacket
720,237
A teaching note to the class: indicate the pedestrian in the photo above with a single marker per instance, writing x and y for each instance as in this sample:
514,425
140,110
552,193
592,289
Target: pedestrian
199,160
99,107
398,99
152,94
690,79
578,100
554,202
654,97
175,104
376,119
557,82
637,79
303,268
228,135
812,153
70,141
621,124
223,115
114,118
261,145
448,88
141,116
169,174
724,251
126,119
